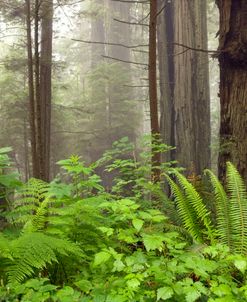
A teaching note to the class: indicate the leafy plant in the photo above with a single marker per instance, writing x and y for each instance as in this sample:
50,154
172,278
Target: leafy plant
231,206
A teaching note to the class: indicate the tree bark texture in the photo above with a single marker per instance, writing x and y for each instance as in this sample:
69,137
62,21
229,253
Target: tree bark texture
166,73
45,85
233,85
191,91
31,89
153,100
39,75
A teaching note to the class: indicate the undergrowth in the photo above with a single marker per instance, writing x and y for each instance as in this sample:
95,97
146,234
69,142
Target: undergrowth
74,240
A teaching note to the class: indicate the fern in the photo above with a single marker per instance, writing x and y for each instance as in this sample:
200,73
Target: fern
197,203
28,200
224,224
34,251
193,212
186,211
231,209
238,208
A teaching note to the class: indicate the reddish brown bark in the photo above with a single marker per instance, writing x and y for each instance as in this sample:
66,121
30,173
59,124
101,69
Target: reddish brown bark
233,85
39,68
153,100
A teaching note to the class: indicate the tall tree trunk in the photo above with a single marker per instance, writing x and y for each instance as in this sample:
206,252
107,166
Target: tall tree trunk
191,91
37,90
153,100
97,33
119,32
39,68
45,85
31,89
26,157
166,73
233,85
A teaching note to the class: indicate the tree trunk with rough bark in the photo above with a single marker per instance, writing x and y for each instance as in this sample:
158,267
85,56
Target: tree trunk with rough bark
166,74
153,100
191,91
39,75
45,85
233,85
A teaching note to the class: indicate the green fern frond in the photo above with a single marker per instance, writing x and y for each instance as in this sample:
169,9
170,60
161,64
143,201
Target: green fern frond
197,203
186,211
5,250
33,251
224,226
39,219
28,200
238,208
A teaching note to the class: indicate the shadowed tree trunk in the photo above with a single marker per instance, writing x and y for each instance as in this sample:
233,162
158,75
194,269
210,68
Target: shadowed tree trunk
191,91
31,89
45,85
233,85
39,75
153,100
166,74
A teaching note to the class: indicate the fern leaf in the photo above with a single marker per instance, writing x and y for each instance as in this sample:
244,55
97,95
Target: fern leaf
33,251
224,225
238,208
196,202
185,211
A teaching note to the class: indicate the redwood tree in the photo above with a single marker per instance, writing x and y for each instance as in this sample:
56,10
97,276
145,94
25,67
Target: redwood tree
184,84
39,19
233,85
153,100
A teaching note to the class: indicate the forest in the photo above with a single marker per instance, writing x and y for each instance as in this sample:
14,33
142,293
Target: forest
123,150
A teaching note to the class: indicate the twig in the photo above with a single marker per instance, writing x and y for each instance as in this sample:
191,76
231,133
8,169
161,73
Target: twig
129,62
109,43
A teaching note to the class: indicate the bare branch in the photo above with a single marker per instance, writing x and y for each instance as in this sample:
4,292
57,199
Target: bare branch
196,49
130,23
129,62
109,43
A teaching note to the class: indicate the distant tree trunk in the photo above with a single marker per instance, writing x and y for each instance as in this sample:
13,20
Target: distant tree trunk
37,90
119,32
191,91
26,157
97,34
233,85
166,73
39,68
45,85
31,89
153,100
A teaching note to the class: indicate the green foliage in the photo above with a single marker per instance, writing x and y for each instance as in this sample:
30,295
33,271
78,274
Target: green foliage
231,210
69,240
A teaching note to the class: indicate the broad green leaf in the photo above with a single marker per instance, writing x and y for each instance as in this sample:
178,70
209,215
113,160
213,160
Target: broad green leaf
118,265
153,242
101,257
240,265
107,231
164,293
133,283
192,295
84,285
137,223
